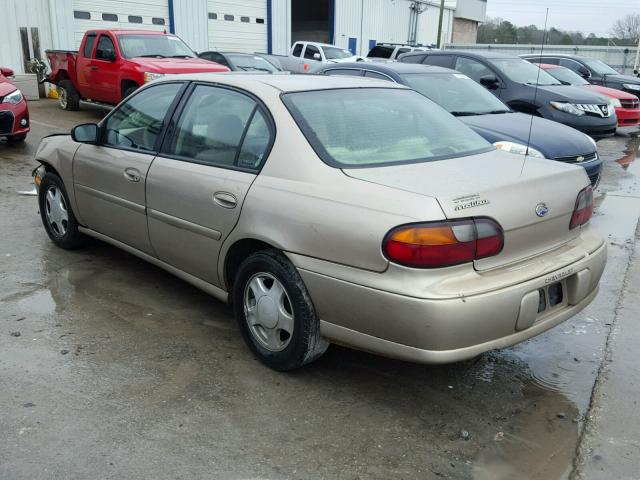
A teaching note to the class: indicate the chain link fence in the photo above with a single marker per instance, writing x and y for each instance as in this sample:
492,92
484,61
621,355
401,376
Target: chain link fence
619,58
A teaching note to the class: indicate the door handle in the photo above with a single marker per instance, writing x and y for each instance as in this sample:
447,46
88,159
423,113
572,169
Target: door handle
132,174
94,68
225,199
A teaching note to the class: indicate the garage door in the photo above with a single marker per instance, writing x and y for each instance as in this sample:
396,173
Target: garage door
238,26
130,14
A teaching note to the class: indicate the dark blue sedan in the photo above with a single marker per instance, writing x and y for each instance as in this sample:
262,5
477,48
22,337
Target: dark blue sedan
485,113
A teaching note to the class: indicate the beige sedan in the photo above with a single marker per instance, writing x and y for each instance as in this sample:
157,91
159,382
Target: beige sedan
335,209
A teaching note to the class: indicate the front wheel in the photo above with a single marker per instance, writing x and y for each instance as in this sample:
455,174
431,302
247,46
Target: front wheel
57,217
275,313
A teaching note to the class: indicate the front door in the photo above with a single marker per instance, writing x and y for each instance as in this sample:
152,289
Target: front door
103,72
110,178
197,184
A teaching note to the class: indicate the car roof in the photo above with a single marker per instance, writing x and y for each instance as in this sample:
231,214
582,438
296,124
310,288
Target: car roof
552,54
120,31
469,53
320,44
285,83
390,67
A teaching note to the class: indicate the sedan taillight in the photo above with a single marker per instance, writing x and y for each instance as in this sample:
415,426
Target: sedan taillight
443,244
583,210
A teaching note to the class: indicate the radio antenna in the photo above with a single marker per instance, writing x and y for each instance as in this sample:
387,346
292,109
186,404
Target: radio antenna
535,92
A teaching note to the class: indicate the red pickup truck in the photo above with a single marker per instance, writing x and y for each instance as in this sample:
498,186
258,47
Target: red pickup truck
111,64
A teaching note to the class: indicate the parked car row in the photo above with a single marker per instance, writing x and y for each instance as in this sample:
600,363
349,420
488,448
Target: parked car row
393,228
14,112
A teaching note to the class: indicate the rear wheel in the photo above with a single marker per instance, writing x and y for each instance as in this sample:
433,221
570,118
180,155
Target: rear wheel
68,96
57,217
275,313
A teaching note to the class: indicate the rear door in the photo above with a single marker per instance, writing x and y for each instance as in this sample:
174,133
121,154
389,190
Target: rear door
109,179
197,184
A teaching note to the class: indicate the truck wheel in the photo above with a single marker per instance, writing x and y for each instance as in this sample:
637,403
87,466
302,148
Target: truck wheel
68,96
275,312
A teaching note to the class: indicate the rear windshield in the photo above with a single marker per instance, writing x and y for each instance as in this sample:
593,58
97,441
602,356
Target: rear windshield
380,51
251,63
369,127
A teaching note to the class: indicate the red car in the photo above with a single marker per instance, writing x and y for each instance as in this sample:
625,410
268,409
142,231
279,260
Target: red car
112,64
14,113
627,105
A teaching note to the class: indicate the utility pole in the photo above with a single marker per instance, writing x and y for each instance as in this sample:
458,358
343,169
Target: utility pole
439,42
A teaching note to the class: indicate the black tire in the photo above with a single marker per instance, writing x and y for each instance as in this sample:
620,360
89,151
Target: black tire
68,96
17,138
71,238
128,91
305,344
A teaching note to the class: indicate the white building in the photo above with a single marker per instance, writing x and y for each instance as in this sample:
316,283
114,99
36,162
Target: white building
28,27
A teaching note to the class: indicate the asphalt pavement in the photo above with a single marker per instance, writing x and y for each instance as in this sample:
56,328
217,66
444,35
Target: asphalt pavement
112,368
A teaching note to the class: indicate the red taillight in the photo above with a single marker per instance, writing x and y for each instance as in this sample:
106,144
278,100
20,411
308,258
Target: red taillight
442,244
584,208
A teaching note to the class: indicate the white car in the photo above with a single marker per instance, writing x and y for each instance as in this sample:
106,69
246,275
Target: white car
309,57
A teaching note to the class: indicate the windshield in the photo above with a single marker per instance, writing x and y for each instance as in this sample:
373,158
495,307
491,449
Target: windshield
333,53
599,67
251,63
159,46
521,71
567,76
456,93
367,127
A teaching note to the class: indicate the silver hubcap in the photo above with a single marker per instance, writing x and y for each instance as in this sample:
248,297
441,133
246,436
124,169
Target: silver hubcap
56,211
268,311
62,97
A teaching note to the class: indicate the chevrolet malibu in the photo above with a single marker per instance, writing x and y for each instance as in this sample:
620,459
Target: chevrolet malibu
332,209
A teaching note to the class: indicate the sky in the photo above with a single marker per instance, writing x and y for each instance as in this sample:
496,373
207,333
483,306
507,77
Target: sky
586,16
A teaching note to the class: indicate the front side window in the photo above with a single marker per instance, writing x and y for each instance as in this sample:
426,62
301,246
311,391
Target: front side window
369,127
570,64
599,67
456,93
137,123
310,51
471,68
105,49
155,46
521,71
566,76
333,53
212,128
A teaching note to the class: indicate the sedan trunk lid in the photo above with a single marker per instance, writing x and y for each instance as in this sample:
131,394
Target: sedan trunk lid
531,199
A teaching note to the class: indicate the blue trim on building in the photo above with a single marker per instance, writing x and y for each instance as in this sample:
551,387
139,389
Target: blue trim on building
332,16
372,43
269,28
172,23
353,44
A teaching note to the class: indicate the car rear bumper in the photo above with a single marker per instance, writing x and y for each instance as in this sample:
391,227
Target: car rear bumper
628,117
447,330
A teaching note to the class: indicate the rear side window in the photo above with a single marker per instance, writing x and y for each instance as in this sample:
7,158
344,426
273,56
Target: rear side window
380,51
439,60
88,45
297,51
368,127
222,128
412,59
310,51
344,71
137,123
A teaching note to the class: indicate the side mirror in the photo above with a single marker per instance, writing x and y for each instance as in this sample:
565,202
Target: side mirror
316,56
489,81
7,72
584,72
85,133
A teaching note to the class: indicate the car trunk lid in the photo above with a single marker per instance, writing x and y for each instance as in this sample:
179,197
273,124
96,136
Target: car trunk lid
532,200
